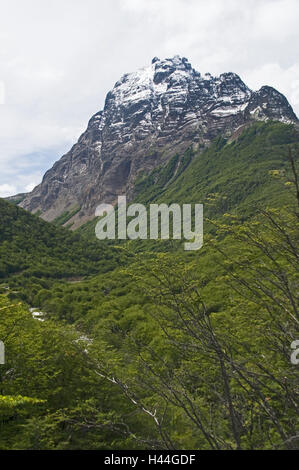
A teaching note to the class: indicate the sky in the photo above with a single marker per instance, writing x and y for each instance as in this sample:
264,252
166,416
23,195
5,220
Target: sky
59,58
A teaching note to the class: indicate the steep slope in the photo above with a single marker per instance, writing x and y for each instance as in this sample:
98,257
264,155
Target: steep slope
32,248
232,175
236,297
243,283
148,117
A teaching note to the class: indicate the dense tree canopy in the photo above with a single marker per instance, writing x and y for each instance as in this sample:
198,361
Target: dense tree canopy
147,346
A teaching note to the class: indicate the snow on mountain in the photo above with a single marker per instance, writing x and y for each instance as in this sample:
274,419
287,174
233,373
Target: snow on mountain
149,116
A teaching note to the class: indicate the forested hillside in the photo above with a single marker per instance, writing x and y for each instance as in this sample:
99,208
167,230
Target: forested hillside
33,251
146,346
232,175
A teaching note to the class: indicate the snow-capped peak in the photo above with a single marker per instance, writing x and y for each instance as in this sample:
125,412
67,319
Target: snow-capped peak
149,116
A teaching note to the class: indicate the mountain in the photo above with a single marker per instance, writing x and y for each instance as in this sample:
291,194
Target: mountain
236,175
131,338
16,199
148,117
153,331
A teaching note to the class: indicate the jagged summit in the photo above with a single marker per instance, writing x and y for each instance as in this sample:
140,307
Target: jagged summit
148,116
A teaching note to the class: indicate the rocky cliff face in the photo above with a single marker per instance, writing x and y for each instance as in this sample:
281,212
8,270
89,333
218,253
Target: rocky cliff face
148,116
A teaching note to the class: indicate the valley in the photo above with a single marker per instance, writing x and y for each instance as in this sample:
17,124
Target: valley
138,344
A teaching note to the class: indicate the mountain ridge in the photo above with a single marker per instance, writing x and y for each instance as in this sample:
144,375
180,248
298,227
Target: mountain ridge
148,116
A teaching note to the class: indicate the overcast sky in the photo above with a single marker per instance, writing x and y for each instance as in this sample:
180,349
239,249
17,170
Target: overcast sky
59,58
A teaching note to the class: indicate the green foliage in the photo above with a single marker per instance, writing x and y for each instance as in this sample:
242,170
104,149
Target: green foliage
66,216
150,346
34,253
47,383
229,176
232,176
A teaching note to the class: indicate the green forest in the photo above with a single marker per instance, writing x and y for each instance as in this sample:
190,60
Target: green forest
142,345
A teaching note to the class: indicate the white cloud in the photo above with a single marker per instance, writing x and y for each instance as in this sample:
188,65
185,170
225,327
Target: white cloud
276,20
58,59
2,92
7,190
286,80
29,187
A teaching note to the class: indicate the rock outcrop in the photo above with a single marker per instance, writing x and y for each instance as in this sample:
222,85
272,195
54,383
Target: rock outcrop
148,116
